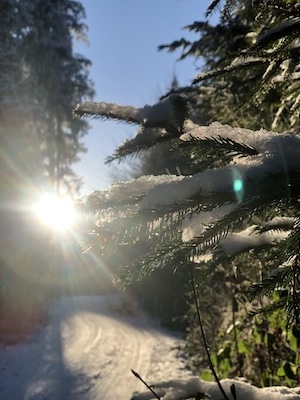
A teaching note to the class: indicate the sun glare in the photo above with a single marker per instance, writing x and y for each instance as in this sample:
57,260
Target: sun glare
55,212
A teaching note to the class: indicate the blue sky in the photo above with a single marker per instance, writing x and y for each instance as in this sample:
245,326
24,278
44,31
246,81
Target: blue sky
128,69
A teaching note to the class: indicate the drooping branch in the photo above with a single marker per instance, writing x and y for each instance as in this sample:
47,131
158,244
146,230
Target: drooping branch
170,113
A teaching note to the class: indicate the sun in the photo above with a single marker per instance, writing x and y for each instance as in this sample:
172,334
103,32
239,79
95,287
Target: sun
55,212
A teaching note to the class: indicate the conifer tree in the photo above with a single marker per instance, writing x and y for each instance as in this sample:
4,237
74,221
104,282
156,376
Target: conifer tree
57,79
41,80
242,193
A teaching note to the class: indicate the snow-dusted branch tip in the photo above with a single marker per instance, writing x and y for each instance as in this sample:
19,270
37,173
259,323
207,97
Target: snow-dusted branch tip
170,113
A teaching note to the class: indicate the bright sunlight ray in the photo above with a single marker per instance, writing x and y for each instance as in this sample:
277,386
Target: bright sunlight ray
55,212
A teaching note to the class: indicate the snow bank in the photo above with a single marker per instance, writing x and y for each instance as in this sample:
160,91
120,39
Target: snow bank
189,388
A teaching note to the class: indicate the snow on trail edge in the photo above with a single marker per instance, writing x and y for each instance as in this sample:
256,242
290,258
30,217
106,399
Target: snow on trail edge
87,351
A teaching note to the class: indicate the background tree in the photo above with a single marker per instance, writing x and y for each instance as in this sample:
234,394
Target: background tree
57,78
41,79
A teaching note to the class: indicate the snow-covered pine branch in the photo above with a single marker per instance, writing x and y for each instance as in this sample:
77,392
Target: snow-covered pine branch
277,223
231,187
277,153
283,28
109,110
238,63
145,138
249,238
123,193
170,113
217,200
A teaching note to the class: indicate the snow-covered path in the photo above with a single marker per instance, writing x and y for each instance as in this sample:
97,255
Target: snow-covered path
86,352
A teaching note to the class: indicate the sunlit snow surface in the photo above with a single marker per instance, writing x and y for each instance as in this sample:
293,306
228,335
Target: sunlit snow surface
87,351
189,388
88,348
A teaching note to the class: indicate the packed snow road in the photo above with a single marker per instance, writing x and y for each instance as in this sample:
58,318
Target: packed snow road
86,351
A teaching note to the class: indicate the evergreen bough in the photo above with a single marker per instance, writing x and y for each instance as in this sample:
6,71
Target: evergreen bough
238,199
180,218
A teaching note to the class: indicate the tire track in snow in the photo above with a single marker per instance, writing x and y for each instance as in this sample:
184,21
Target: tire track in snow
117,380
107,349
88,350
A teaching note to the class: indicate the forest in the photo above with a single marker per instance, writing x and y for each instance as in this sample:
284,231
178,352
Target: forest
41,79
206,229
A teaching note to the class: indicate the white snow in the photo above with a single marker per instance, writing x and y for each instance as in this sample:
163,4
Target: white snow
88,348
161,114
135,187
145,135
196,225
276,153
275,150
87,351
277,222
249,238
257,139
189,388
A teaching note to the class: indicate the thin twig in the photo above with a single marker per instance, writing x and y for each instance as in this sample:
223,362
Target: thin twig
146,384
212,368
235,337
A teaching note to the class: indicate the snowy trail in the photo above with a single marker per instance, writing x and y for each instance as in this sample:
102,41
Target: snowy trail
86,352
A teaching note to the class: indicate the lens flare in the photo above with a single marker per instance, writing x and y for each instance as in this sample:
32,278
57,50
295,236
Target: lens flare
55,212
238,185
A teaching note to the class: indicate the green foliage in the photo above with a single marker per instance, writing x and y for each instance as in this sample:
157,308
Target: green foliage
250,64
249,79
265,345
250,344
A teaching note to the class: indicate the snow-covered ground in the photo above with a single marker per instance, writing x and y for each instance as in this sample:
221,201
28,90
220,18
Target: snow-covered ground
87,351
88,348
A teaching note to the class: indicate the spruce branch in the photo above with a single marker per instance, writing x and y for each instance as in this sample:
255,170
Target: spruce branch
255,203
109,111
286,27
292,244
267,310
170,113
212,6
239,64
145,139
279,277
276,224
230,146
